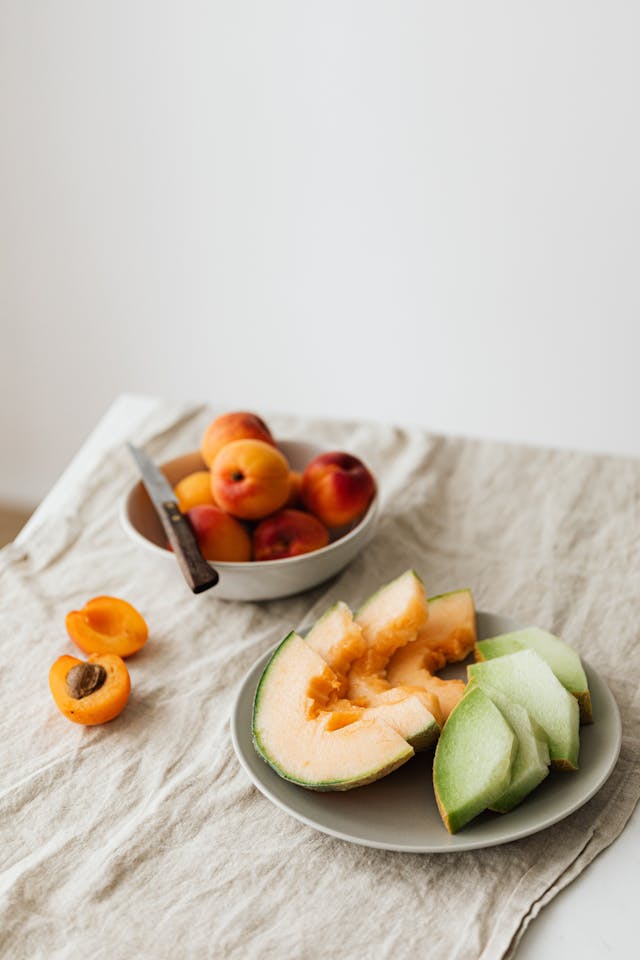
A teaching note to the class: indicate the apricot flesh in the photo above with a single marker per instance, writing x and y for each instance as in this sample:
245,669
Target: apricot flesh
92,691
107,625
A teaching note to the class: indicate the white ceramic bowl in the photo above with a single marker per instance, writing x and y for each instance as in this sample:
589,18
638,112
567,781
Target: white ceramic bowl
255,580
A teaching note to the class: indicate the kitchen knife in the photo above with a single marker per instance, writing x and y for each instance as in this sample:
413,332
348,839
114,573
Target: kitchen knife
198,573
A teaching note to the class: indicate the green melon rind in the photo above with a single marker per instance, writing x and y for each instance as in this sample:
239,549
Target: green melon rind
476,743
526,678
449,593
531,764
561,657
326,785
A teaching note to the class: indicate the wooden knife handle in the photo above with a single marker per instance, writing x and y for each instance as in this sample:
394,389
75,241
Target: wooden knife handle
197,572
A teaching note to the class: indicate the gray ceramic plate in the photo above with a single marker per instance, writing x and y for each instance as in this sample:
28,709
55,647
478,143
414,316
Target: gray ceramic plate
400,813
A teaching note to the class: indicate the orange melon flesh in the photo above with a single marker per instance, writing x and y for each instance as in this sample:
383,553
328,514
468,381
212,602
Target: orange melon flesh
337,638
412,713
448,635
394,614
296,738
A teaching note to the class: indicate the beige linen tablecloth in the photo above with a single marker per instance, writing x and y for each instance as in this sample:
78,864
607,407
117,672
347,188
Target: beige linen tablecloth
145,838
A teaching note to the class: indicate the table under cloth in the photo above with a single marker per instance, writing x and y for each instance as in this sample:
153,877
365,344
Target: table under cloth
145,838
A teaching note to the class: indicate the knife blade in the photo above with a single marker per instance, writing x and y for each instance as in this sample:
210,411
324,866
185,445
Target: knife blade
198,573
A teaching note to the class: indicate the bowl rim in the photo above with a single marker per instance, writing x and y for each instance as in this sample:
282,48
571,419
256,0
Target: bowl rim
251,565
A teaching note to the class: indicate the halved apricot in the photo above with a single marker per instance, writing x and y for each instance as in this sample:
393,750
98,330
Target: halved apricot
92,691
107,625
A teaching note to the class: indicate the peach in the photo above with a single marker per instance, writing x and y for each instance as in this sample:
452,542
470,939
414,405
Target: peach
220,536
294,500
194,490
288,533
337,487
250,479
229,427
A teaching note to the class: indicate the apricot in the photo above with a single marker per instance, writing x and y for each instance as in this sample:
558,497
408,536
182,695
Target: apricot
107,625
337,487
239,425
194,490
220,536
250,479
288,533
92,691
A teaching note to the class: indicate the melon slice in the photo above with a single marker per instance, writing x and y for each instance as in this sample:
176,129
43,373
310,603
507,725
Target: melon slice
337,638
394,614
339,641
448,635
293,733
531,764
473,760
527,679
563,660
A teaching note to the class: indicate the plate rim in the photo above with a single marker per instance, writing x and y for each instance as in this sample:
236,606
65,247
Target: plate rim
456,843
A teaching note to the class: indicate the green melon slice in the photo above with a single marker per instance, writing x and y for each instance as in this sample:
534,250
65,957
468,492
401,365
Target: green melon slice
293,733
531,764
527,679
563,660
473,760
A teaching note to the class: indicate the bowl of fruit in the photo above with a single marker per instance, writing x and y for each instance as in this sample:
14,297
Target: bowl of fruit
274,517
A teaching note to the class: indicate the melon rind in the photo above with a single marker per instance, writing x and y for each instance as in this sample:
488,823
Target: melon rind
473,759
561,657
296,743
526,678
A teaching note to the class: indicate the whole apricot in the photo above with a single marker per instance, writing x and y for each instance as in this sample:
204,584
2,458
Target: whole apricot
239,425
250,479
92,691
220,536
194,490
107,625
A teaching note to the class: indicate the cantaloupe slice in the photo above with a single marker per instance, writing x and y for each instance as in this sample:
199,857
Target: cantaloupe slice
337,638
473,760
339,641
531,763
293,733
394,614
448,635
563,660
527,679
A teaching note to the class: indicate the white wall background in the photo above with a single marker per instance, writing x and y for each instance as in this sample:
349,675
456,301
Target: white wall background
413,211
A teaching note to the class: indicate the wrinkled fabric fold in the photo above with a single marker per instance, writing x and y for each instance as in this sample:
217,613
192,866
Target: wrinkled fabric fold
146,835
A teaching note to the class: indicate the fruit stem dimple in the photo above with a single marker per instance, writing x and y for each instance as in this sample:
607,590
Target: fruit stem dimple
237,475
85,678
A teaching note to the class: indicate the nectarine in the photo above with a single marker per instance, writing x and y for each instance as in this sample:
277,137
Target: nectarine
250,479
337,487
220,536
288,533
239,425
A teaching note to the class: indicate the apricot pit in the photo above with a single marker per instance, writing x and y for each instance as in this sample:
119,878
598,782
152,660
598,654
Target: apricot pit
90,692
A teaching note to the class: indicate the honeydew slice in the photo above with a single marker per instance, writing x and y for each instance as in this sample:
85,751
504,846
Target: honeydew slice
531,764
473,760
295,735
448,635
563,660
527,679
